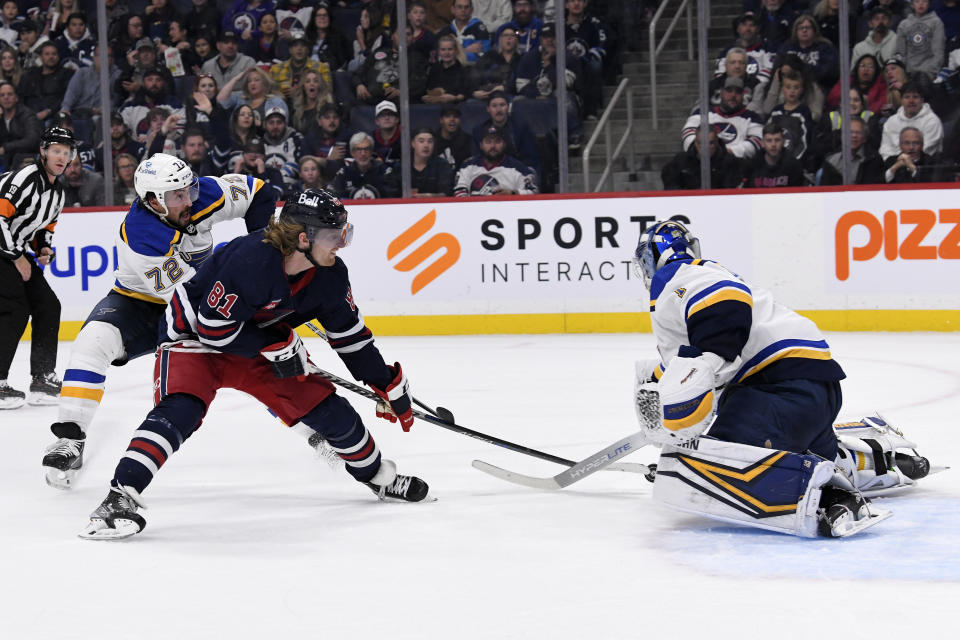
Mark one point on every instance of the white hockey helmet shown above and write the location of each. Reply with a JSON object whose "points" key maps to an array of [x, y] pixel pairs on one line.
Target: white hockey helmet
{"points": [[162, 173]]}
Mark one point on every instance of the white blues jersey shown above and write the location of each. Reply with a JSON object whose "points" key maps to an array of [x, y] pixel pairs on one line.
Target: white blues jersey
{"points": [[153, 256], [698, 306]]}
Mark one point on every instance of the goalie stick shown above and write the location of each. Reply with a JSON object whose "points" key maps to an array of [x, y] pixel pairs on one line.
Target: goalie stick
{"points": [[452, 426], [603, 459], [444, 414]]}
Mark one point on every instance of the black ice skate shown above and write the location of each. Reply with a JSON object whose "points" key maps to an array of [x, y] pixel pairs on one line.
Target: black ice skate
{"points": [[63, 459], [843, 513], [45, 389], [10, 398], [390, 485], [116, 517]]}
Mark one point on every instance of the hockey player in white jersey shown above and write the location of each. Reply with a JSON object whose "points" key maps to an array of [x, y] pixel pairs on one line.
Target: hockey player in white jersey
{"points": [[163, 239], [761, 378]]}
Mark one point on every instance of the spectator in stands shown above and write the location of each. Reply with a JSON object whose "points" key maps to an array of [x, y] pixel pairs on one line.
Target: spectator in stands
{"points": [[864, 75], [75, 44], [286, 75], [42, 88], [813, 94], [203, 19], [497, 68], [447, 79], [124, 189], [81, 187], [85, 150], [229, 62], [252, 162], [327, 141], [881, 42], [470, 32], [365, 177], [370, 37], [386, 137], [201, 106], [815, 50], [894, 76], [161, 124], [421, 38], [58, 12], [526, 25], [134, 65], [327, 42], [19, 128], [914, 112], [230, 139], [82, 98], [746, 28], [775, 167], [9, 19], [827, 14], [776, 19], [157, 16], [737, 127], [121, 142], [196, 152], [865, 163], [683, 170], [257, 91], [452, 143], [261, 45], [536, 74], [827, 137], [131, 33], [494, 172], [153, 93], [949, 13], [203, 48], [921, 40], [283, 145], [311, 177], [735, 66], [439, 14], [29, 46], [430, 175], [493, 13], [10, 69], [309, 96], [116, 11], [912, 163], [793, 118], [178, 37], [587, 41], [378, 78], [244, 15]]}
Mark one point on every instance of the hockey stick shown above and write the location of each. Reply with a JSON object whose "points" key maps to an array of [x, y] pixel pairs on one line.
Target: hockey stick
{"points": [[602, 459], [440, 412], [451, 426]]}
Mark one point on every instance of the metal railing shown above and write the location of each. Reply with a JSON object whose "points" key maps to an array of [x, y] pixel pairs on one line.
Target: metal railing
{"points": [[604, 124], [656, 48]]}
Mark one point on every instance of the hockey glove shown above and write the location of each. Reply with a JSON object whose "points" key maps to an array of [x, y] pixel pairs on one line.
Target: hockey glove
{"points": [[287, 359], [396, 403]]}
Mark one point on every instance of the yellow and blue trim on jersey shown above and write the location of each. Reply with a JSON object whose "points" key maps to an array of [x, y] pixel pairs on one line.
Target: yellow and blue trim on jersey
{"points": [[210, 200], [723, 291], [146, 234], [130, 293], [685, 414], [664, 275], [810, 350]]}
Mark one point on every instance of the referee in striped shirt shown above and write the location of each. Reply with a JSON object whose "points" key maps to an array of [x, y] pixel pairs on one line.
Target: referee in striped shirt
{"points": [[30, 202]]}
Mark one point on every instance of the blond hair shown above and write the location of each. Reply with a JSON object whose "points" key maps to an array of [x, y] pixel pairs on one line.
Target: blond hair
{"points": [[284, 236]]}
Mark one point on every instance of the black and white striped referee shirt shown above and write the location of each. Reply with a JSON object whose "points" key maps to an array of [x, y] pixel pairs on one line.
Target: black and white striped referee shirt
{"points": [[29, 207]]}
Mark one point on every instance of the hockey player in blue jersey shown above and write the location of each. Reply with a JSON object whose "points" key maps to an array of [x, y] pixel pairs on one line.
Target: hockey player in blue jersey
{"points": [[233, 326], [163, 239], [761, 378]]}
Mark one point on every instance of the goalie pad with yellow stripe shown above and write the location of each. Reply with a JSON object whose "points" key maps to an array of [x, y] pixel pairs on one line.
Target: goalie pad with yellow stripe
{"points": [[753, 486]]}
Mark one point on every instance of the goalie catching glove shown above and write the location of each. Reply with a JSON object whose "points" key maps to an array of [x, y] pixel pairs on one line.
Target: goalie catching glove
{"points": [[682, 405], [287, 359], [396, 402]]}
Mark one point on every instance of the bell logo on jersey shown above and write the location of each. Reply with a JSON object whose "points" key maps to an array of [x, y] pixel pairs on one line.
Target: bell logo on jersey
{"points": [[886, 235], [441, 241]]}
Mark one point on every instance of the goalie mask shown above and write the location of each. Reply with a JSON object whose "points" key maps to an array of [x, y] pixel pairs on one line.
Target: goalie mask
{"points": [[661, 244]]}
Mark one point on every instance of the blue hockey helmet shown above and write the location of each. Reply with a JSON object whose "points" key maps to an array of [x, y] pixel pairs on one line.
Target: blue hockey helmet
{"points": [[661, 243]]}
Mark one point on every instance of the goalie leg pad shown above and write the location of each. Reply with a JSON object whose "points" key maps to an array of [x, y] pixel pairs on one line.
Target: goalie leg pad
{"points": [[754, 486], [876, 458]]}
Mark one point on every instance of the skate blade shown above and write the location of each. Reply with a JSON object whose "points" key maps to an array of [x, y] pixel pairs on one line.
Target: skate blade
{"points": [[876, 517], [11, 403], [100, 530], [37, 399], [63, 480], [427, 498]]}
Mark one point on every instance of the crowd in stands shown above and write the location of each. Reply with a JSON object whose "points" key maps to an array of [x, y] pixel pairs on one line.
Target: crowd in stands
{"points": [[775, 111], [304, 93]]}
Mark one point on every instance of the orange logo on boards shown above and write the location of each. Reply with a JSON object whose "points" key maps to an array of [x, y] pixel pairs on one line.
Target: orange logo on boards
{"points": [[441, 241], [917, 223]]}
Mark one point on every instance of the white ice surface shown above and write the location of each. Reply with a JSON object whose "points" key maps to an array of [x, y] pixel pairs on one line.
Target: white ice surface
{"points": [[249, 536]]}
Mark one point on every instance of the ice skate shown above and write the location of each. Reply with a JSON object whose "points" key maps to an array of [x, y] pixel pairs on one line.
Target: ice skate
{"points": [[843, 513], [45, 389], [392, 486], [10, 398], [63, 459], [116, 517]]}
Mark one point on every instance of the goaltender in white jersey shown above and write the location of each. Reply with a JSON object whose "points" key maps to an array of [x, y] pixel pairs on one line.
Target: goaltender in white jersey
{"points": [[162, 241]]}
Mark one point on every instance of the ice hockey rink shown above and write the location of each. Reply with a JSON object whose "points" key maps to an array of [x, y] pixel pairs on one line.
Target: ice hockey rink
{"points": [[251, 536]]}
